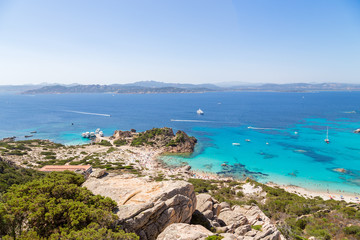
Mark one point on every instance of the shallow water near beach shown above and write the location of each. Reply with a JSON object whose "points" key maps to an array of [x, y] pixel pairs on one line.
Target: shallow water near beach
{"points": [[286, 130]]}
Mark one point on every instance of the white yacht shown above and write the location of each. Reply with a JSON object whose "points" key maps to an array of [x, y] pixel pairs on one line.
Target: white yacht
{"points": [[200, 112], [101, 134]]}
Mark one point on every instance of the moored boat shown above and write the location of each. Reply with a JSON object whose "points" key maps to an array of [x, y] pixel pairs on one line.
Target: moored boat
{"points": [[200, 112], [327, 140]]}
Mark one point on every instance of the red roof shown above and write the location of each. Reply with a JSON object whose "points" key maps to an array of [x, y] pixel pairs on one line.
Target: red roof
{"points": [[59, 168]]}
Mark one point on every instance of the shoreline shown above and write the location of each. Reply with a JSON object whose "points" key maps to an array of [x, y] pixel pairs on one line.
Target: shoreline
{"points": [[326, 195], [147, 159]]}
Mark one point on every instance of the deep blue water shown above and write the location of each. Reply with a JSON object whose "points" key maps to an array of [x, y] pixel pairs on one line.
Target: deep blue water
{"points": [[303, 159]]}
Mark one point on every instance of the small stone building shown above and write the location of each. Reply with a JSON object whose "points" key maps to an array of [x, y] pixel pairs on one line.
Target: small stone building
{"points": [[86, 170]]}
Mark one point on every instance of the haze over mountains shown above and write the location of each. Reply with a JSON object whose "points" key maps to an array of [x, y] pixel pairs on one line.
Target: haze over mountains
{"points": [[161, 87]]}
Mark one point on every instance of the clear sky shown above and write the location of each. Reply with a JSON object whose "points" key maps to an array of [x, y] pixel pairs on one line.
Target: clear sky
{"points": [[187, 41]]}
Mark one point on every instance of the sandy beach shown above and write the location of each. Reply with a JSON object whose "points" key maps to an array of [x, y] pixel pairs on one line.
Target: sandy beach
{"points": [[347, 197]]}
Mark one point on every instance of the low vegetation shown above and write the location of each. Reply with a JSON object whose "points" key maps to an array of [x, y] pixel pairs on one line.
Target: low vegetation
{"points": [[297, 217], [56, 207]]}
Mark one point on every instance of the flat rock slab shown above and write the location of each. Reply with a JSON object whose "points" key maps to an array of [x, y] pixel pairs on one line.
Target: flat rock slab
{"points": [[146, 208]]}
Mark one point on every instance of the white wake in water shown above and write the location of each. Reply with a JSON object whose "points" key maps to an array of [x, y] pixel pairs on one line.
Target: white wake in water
{"points": [[257, 128], [180, 120], [89, 113]]}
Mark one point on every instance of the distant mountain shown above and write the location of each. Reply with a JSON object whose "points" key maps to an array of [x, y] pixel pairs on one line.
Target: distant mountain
{"points": [[161, 87], [18, 88], [155, 84], [300, 87], [140, 87]]}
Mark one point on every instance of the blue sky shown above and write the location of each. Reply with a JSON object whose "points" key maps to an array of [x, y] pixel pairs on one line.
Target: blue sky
{"points": [[187, 41]]}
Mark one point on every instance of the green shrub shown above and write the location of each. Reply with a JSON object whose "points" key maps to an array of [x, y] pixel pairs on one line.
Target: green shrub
{"points": [[110, 150], [352, 230], [56, 207], [120, 142], [105, 143], [256, 227], [214, 237]]}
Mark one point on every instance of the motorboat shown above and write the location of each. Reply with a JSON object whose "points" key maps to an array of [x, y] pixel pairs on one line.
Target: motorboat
{"points": [[247, 140], [236, 144], [101, 134], [200, 112], [327, 140]]}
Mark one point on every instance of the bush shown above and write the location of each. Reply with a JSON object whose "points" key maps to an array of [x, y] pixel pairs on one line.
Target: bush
{"points": [[201, 186], [56, 207], [120, 142], [352, 230], [105, 143], [214, 237], [256, 227]]}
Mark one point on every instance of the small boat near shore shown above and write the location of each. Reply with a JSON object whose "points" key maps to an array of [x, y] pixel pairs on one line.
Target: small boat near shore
{"points": [[28, 136], [247, 140], [33, 132], [236, 144]]}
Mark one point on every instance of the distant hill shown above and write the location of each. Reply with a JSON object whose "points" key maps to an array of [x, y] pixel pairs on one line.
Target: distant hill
{"points": [[161, 87], [300, 87], [139, 87]]}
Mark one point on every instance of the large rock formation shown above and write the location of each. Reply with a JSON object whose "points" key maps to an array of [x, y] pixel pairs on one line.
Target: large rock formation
{"points": [[146, 208], [183, 231], [159, 138], [236, 220]]}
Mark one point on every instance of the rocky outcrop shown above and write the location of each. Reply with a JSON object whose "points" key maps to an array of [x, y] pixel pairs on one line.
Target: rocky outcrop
{"points": [[98, 173], [182, 231], [146, 208], [236, 220], [163, 138], [122, 135], [181, 143]]}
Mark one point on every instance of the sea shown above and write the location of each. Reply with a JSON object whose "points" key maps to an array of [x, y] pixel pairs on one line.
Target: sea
{"points": [[268, 136]]}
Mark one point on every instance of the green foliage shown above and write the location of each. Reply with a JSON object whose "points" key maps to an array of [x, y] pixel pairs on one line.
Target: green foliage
{"points": [[105, 143], [256, 227], [146, 137], [55, 206], [214, 237], [201, 186], [352, 230], [110, 150], [94, 232], [120, 142], [10, 175]]}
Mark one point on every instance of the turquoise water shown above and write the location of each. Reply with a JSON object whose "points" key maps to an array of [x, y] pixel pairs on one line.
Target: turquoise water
{"points": [[303, 159], [296, 155]]}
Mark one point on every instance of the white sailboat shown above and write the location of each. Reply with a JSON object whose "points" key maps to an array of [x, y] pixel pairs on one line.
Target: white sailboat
{"points": [[327, 140]]}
